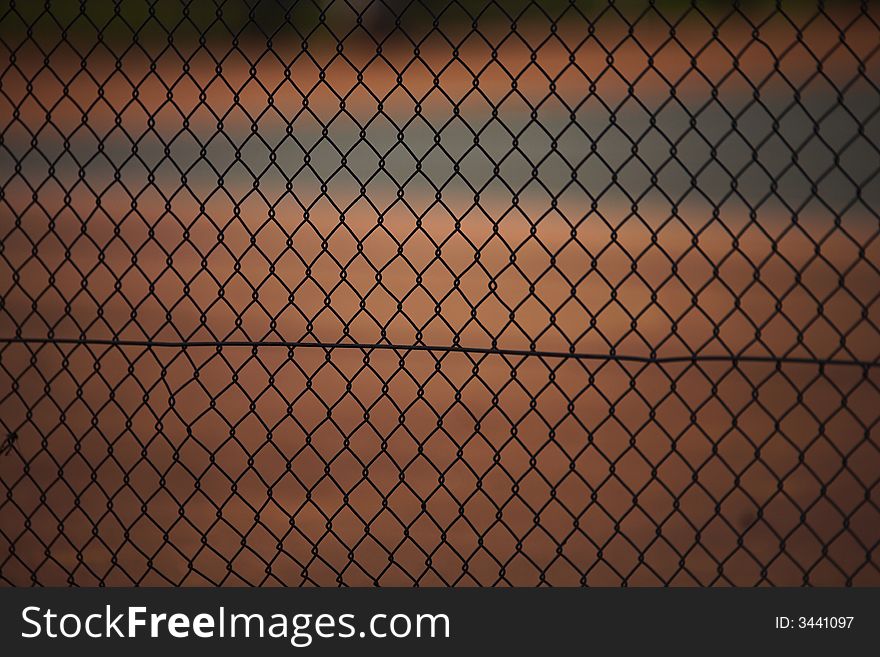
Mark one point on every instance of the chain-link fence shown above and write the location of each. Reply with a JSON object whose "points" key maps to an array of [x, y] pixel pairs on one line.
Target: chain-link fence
{"points": [[439, 293]]}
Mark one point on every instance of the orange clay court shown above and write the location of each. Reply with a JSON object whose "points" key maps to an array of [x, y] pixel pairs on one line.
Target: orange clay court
{"points": [[268, 199]]}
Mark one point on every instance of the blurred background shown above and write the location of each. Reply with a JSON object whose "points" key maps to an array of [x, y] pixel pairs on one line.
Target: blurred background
{"points": [[216, 186]]}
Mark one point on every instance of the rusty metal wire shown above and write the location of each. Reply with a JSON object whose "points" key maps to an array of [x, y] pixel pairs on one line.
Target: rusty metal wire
{"points": [[376, 292]]}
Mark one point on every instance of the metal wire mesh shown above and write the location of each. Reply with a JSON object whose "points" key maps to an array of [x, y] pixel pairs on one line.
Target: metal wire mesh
{"points": [[439, 293]]}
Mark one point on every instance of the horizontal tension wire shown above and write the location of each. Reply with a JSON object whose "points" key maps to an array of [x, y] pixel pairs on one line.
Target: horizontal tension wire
{"points": [[540, 353]]}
